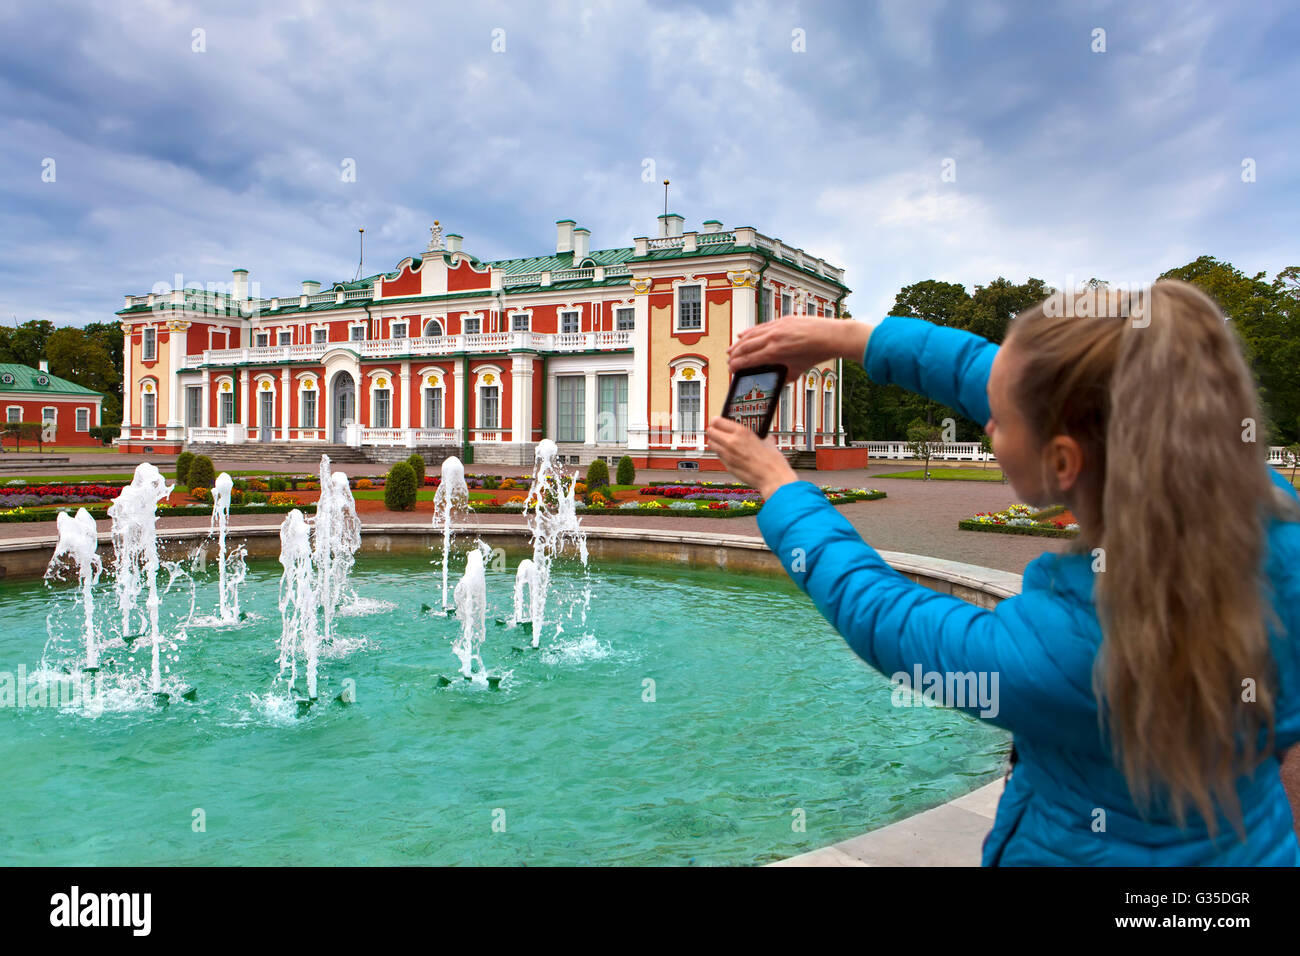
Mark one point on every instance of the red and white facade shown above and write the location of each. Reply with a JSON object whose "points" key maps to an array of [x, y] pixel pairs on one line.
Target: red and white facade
{"points": [[618, 351]]}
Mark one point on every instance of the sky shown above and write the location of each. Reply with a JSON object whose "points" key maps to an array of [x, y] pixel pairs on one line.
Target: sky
{"points": [[901, 141]]}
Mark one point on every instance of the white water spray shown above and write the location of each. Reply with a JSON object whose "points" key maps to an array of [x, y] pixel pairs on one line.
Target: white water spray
{"points": [[78, 542], [298, 599], [471, 605], [134, 513], [230, 568], [452, 496], [553, 521]]}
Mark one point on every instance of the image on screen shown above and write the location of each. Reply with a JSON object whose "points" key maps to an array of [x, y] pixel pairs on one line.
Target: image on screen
{"points": [[753, 394]]}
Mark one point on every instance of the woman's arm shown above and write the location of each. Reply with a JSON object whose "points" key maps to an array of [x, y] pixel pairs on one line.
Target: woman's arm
{"points": [[998, 659], [950, 366]]}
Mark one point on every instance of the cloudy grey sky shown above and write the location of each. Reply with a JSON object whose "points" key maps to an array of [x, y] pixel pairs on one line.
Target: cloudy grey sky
{"points": [[1068, 162]]}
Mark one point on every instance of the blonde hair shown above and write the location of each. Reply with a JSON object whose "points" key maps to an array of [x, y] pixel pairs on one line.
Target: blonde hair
{"points": [[1154, 387]]}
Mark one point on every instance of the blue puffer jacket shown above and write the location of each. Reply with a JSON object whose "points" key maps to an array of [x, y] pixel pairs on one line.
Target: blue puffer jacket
{"points": [[1041, 644]]}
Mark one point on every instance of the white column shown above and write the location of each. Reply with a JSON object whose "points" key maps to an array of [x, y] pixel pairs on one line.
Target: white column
{"points": [[206, 417], [175, 361], [743, 301], [521, 400], [550, 427], [405, 404], [638, 385], [246, 416], [284, 404], [589, 408], [128, 379], [458, 370], [800, 392]]}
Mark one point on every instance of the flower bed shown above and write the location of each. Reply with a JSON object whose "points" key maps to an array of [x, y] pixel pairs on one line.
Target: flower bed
{"points": [[688, 508], [55, 494], [1022, 519]]}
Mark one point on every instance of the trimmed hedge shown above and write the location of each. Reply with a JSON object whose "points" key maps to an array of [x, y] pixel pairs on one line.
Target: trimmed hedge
{"points": [[399, 488], [672, 512], [183, 462], [597, 475], [201, 473], [626, 474], [416, 462]]}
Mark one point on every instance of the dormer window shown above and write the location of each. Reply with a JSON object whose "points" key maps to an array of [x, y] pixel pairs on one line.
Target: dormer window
{"points": [[42, 380], [7, 378]]}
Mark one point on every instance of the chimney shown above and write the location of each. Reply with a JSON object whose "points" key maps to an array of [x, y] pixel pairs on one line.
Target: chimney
{"points": [[453, 241], [564, 235], [670, 225], [712, 225], [581, 244], [310, 286], [45, 366], [240, 291]]}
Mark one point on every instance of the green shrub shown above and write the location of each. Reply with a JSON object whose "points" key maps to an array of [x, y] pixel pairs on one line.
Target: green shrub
{"points": [[240, 484], [399, 489], [417, 465], [491, 482], [626, 471], [597, 474], [254, 498], [183, 462], [201, 473], [279, 484]]}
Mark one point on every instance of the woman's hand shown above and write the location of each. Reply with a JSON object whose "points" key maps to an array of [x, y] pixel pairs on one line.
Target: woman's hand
{"points": [[750, 459], [798, 342]]}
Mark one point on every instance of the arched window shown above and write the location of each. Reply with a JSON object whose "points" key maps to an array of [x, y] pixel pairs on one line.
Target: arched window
{"points": [[433, 327]]}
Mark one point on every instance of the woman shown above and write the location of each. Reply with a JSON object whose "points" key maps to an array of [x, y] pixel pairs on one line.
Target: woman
{"points": [[1150, 676]]}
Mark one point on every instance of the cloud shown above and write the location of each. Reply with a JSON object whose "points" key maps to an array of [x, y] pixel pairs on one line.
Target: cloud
{"points": [[1119, 164]]}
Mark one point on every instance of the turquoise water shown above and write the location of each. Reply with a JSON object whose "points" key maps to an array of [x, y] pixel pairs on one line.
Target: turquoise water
{"points": [[761, 716]]}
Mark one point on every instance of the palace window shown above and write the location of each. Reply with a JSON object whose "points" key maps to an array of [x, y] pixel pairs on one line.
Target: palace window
{"points": [[83, 419], [398, 330], [472, 324], [688, 406], [320, 336], [226, 408], [519, 323], [611, 410], [491, 407], [433, 408], [828, 411], [624, 320], [262, 339], [570, 408], [433, 327], [569, 321], [14, 413], [149, 346], [787, 304], [149, 410], [194, 405], [383, 408], [357, 333], [309, 408], [286, 337], [688, 307]]}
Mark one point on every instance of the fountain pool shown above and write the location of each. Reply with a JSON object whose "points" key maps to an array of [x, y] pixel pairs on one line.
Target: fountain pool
{"points": [[693, 717]]}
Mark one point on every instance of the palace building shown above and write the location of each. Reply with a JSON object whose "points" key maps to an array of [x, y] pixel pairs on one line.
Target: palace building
{"points": [[607, 352]]}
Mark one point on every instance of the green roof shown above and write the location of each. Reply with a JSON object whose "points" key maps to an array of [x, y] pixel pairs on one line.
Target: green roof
{"points": [[23, 378], [562, 260]]}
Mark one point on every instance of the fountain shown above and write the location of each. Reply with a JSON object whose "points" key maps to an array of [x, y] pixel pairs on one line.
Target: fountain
{"points": [[134, 513], [553, 521], [77, 543], [230, 568], [298, 600], [452, 496], [525, 577], [337, 538]]}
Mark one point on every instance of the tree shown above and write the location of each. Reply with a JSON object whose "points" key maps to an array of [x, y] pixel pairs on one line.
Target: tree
{"points": [[82, 359], [925, 442]]}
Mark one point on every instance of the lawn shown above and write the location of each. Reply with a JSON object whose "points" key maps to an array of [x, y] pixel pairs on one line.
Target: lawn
{"points": [[945, 473]]}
